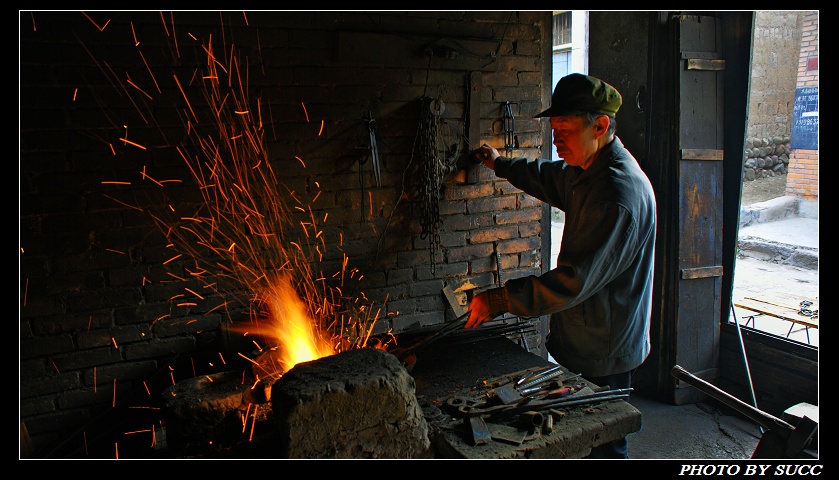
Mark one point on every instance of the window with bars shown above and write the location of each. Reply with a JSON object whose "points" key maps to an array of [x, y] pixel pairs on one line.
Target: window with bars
{"points": [[561, 29]]}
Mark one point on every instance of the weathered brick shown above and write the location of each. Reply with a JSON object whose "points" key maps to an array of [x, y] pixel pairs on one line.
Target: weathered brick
{"points": [[493, 234], [469, 252], [46, 345], [121, 372], [86, 358], [49, 384], [159, 348]]}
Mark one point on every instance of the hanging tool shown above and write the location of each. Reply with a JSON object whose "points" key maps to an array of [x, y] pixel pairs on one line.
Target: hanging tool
{"points": [[510, 140], [374, 150], [430, 177], [498, 264]]}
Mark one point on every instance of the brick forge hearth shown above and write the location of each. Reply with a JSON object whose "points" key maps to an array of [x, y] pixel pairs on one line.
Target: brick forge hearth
{"points": [[358, 404]]}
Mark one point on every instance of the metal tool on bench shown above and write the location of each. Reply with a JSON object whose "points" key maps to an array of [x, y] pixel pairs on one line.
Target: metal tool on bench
{"points": [[780, 440], [514, 393], [586, 396]]}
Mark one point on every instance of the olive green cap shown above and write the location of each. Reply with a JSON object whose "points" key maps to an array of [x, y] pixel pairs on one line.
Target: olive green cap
{"points": [[576, 93]]}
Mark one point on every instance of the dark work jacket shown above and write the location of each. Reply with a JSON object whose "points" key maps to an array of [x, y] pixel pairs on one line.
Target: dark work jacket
{"points": [[599, 294]]}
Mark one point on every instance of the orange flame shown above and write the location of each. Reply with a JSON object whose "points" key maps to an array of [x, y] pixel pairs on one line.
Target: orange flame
{"points": [[298, 335]]}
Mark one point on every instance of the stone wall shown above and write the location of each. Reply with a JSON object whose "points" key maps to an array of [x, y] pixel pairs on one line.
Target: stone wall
{"points": [[775, 48], [765, 157]]}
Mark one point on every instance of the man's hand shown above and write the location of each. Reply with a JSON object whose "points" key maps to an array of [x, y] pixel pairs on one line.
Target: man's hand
{"points": [[487, 155], [478, 310]]}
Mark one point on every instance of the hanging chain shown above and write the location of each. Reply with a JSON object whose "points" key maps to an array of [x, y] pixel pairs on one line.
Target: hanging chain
{"points": [[432, 170]]}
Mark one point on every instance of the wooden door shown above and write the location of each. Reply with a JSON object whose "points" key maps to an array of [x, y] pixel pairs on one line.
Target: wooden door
{"points": [[700, 199]]}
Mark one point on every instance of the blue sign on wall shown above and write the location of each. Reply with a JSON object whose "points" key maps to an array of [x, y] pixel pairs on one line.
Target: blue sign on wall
{"points": [[805, 121]]}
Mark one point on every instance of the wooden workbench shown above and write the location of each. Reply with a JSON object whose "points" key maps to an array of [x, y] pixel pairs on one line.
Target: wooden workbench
{"points": [[783, 306], [452, 368]]}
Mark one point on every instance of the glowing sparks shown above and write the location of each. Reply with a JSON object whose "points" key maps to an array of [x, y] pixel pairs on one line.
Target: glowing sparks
{"points": [[102, 28], [253, 422], [120, 202], [148, 69], [173, 258], [248, 234], [178, 82], [194, 293], [128, 142], [246, 358], [306, 112], [138, 88], [134, 34]]}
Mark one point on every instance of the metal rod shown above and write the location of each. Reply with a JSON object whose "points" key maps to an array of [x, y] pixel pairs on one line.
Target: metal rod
{"points": [[535, 373], [459, 321], [745, 360], [542, 377], [771, 422]]}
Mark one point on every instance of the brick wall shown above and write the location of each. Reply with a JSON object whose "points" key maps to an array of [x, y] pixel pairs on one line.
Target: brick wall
{"points": [[138, 253], [803, 176]]}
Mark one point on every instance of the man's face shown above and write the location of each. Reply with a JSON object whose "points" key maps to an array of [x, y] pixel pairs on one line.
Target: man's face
{"points": [[575, 141]]}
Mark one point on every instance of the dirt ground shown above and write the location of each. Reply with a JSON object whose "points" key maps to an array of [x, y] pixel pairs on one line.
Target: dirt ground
{"points": [[763, 189]]}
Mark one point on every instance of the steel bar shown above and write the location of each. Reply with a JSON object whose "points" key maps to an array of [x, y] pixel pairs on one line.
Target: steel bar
{"points": [[542, 377], [549, 405]]}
